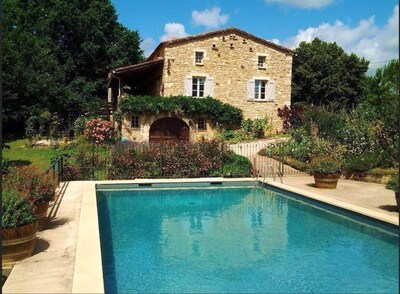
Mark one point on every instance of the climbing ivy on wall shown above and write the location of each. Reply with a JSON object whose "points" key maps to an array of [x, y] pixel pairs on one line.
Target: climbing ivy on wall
{"points": [[221, 113]]}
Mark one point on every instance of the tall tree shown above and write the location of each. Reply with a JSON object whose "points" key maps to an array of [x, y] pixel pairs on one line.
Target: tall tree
{"points": [[323, 74], [57, 54], [383, 95]]}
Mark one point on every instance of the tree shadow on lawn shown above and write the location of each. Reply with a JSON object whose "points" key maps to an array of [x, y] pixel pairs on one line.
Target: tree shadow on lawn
{"points": [[19, 162]]}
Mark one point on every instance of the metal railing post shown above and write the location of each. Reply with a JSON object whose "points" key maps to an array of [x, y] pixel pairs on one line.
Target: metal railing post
{"points": [[61, 170], [222, 159], [92, 163]]}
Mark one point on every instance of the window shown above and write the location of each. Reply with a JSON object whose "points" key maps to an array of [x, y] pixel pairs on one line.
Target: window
{"points": [[261, 89], [261, 61], [199, 57], [201, 124], [135, 122], [198, 86]]}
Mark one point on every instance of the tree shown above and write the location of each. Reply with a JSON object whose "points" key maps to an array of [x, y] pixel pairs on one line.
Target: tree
{"points": [[57, 54], [323, 74], [383, 95]]}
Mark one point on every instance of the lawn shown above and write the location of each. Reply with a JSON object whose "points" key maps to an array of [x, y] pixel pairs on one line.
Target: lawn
{"points": [[19, 154]]}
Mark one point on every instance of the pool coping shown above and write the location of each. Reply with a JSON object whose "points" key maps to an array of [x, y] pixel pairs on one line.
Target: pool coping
{"points": [[88, 274], [393, 220]]}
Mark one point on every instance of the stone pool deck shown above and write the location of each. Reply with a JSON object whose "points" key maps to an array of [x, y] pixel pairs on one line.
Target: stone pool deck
{"points": [[51, 268]]}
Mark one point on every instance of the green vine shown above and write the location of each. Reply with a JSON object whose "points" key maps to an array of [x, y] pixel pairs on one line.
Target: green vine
{"points": [[221, 113]]}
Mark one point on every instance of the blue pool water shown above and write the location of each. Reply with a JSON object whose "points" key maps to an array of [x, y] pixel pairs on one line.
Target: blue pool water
{"points": [[238, 240]]}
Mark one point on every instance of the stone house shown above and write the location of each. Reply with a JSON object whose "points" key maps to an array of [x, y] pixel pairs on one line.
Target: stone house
{"points": [[231, 65]]}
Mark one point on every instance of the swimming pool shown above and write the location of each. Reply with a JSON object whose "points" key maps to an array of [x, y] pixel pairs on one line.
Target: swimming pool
{"points": [[240, 239]]}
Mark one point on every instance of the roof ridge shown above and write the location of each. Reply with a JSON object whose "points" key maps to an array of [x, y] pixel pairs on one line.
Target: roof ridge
{"points": [[210, 33]]}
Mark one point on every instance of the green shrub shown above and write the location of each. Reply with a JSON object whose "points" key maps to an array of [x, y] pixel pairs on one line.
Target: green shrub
{"points": [[330, 124], [325, 165], [236, 166], [249, 130], [383, 171], [393, 183], [301, 146], [16, 211], [30, 130], [79, 125], [254, 129], [362, 162], [227, 135], [5, 164]]}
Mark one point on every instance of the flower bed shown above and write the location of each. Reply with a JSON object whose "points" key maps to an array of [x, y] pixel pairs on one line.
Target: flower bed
{"points": [[175, 160]]}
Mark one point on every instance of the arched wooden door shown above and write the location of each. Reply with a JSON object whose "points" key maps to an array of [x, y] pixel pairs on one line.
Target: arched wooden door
{"points": [[169, 129]]}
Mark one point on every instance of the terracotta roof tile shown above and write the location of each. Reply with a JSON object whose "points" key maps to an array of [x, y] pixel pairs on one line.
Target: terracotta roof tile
{"points": [[138, 65]]}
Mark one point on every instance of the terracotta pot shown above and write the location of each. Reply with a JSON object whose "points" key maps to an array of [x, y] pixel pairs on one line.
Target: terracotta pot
{"points": [[40, 212], [326, 181], [18, 243]]}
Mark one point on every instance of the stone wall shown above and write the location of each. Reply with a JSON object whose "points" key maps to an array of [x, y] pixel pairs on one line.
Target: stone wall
{"points": [[142, 133], [231, 63]]}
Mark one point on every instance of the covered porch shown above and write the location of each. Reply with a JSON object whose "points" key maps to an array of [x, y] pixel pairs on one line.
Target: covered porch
{"points": [[142, 79]]}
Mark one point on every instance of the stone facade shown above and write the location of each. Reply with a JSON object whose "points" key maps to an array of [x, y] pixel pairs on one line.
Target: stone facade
{"points": [[141, 134], [230, 67]]}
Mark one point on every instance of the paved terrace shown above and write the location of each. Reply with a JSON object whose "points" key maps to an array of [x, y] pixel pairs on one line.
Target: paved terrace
{"points": [[51, 268]]}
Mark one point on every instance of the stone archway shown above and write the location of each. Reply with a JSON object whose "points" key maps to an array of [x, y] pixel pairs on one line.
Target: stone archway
{"points": [[168, 129]]}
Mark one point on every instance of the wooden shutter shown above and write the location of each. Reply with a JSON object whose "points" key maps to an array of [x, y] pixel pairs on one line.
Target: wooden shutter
{"points": [[188, 86], [209, 87], [270, 91], [250, 89]]}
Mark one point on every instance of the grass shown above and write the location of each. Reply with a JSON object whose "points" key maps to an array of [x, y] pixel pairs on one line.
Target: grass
{"points": [[20, 154]]}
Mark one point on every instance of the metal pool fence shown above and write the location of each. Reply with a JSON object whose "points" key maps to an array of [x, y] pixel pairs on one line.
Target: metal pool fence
{"points": [[269, 160]]}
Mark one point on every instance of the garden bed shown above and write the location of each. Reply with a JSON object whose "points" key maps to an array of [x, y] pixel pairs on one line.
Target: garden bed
{"points": [[376, 175]]}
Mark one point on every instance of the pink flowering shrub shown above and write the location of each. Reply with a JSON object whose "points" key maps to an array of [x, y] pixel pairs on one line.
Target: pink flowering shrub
{"points": [[31, 183], [166, 159], [99, 131]]}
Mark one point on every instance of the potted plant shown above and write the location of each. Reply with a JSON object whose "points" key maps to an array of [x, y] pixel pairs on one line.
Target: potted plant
{"points": [[19, 227], [326, 171], [36, 187], [393, 184]]}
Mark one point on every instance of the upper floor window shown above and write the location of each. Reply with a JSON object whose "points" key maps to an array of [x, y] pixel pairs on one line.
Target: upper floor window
{"points": [[261, 61], [198, 86], [261, 89], [199, 56]]}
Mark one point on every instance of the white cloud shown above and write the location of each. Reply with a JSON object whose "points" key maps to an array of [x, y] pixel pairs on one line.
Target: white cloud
{"points": [[173, 30], [306, 4], [276, 41], [148, 45], [367, 40], [209, 18]]}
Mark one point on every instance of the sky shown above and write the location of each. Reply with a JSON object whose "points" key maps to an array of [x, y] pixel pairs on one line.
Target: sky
{"points": [[368, 28]]}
